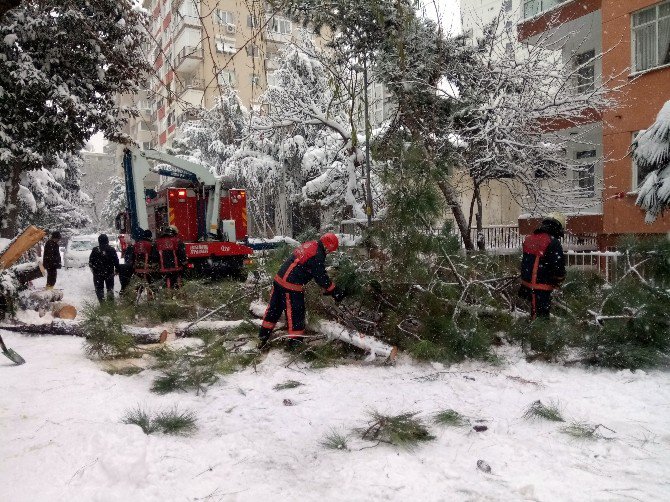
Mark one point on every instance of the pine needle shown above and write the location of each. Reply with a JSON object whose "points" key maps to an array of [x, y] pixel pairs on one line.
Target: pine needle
{"points": [[539, 410], [404, 430], [173, 421], [583, 430], [288, 384], [334, 441], [141, 418], [450, 418]]}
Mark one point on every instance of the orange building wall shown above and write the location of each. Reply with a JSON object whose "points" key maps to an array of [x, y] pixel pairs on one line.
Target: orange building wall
{"points": [[640, 101]]}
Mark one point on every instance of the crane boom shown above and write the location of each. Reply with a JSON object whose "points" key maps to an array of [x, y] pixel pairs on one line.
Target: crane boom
{"points": [[136, 167]]}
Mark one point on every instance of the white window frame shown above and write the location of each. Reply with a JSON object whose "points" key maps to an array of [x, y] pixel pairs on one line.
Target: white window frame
{"points": [[225, 17], [281, 26], [633, 35], [582, 67], [587, 159], [227, 76]]}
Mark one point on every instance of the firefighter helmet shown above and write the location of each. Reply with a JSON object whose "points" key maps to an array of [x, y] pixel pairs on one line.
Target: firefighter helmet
{"points": [[330, 242], [557, 217], [174, 230]]}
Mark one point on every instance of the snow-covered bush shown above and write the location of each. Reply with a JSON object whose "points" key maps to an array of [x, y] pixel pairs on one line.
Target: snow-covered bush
{"points": [[115, 202], [651, 151]]}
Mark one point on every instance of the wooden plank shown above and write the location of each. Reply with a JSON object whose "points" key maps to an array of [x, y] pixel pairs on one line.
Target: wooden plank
{"points": [[22, 243]]}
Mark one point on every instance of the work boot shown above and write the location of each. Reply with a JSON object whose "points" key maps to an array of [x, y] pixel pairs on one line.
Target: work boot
{"points": [[264, 339], [294, 344]]}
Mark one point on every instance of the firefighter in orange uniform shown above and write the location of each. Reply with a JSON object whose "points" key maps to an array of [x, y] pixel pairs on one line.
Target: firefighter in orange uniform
{"points": [[171, 256], [145, 257], [307, 262], [543, 264]]}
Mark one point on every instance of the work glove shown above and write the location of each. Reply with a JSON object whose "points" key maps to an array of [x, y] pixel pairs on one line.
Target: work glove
{"points": [[338, 294]]}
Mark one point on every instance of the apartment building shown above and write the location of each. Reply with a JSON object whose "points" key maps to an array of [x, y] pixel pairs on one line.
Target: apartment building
{"points": [[633, 37], [200, 45], [477, 15]]}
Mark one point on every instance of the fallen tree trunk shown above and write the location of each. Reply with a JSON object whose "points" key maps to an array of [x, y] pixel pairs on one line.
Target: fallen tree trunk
{"points": [[374, 348], [335, 331], [27, 272], [42, 299], [75, 328]]}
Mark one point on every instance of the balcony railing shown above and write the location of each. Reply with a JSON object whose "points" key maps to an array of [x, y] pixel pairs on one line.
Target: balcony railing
{"points": [[532, 8], [188, 115], [196, 84], [188, 52]]}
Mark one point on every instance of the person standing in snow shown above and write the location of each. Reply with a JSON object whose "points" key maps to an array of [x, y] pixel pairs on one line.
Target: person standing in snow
{"points": [[307, 262], [543, 264], [51, 259], [104, 262]]}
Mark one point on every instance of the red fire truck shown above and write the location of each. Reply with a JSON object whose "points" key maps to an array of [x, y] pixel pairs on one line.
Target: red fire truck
{"points": [[211, 217]]}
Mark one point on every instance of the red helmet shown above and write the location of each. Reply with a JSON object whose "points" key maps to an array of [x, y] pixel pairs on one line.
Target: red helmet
{"points": [[330, 242]]}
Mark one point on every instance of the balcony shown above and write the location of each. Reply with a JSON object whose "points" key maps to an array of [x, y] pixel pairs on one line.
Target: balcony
{"points": [[196, 84], [540, 16], [188, 59], [188, 115]]}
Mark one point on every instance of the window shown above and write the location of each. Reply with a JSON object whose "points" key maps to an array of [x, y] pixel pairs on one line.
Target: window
{"points": [[227, 77], [651, 37], [639, 173], [225, 45], [255, 79], [146, 145], [586, 175], [170, 118], [586, 71], [224, 17], [281, 26], [533, 7], [507, 5], [252, 50], [272, 79], [188, 9], [253, 21], [144, 126]]}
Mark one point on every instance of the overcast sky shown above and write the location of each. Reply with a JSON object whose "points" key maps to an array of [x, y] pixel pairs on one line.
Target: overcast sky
{"points": [[447, 11]]}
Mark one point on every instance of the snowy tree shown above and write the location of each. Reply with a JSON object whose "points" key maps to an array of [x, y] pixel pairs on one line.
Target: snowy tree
{"points": [[64, 62], [311, 120], [487, 114], [651, 152], [51, 196], [115, 202]]}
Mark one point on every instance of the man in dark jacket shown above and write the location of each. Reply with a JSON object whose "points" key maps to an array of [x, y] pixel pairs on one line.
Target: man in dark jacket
{"points": [[307, 262], [543, 264], [51, 259], [104, 262]]}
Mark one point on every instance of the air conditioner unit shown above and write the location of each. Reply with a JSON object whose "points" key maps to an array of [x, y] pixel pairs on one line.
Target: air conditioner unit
{"points": [[230, 29]]}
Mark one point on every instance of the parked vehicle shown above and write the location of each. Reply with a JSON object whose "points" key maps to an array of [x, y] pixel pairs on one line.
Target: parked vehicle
{"points": [[78, 250]]}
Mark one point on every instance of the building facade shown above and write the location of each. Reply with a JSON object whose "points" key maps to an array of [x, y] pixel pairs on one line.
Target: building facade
{"points": [[199, 46], [634, 40]]}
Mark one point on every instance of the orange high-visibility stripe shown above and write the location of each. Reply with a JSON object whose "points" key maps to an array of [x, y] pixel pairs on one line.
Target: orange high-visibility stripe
{"points": [[289, 313], [331, 287], [288, 285], [268, 325], [540, 287], [296, 334]]}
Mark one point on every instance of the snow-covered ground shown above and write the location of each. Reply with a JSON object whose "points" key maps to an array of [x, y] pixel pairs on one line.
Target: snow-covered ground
{"points": [[63, 440]]}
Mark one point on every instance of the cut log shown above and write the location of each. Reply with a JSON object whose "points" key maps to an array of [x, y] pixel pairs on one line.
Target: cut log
{"points": [[374, 348], [63, 310], [74, 328], [41, 299], [21, 243], [27, 272], [335, 331]]}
